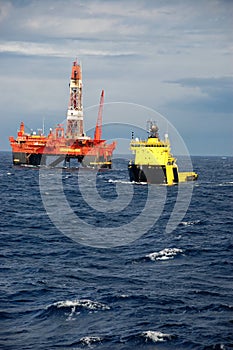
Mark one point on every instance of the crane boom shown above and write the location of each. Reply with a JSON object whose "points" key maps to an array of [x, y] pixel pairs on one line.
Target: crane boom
{"points": [[98, 128]]}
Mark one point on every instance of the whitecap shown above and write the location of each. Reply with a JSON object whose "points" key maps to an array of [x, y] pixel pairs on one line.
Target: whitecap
{"points": [[227, 183], [156, 336], [90, 340], [120, 181], [83, 303], [124, 295], [190, 223], [165, 254]]}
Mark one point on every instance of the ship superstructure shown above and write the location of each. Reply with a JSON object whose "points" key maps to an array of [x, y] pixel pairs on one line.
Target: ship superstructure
{"points": [[62, 145], [154, 162]]}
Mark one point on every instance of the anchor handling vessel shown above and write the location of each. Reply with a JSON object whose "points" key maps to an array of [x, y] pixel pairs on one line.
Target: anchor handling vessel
{"points": [[154, 162], [60, 145]]}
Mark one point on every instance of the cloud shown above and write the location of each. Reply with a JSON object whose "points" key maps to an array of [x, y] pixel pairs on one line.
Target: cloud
{"points": [[174, 56], [215, 94], [48, 49], [5, 9], [176, 22], [68, 20]]}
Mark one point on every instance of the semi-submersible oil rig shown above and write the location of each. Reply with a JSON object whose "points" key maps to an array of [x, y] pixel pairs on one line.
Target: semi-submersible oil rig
{"points": [[60, 145]]}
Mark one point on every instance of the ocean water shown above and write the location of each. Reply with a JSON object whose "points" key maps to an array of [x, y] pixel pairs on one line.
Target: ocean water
{"points": [[163, 290]]}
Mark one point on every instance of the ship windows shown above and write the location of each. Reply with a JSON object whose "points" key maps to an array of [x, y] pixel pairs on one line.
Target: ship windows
{"points": [[142, 146], [155, 146]]}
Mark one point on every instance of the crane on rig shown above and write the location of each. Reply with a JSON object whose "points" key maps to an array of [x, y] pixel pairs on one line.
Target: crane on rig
{"points": [[98, 128]]}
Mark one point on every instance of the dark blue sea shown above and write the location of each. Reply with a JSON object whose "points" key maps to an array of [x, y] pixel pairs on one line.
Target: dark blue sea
{"points": [[152, 289]]}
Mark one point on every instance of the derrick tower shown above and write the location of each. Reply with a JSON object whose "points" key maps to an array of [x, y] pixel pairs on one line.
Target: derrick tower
{"points": [[74, 128]]}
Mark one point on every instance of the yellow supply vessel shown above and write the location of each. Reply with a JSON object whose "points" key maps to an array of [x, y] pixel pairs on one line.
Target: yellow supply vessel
{"points": [[154, 162]]}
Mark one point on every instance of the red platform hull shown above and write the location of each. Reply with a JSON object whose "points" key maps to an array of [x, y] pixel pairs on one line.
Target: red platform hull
{"points": [[55, 149]]}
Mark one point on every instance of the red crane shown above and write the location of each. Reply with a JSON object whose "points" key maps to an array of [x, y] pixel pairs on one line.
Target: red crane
{"points": [[98, 128]]}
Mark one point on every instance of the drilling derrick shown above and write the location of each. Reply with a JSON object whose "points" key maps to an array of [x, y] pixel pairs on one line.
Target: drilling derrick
{"points": [[74, 127]]}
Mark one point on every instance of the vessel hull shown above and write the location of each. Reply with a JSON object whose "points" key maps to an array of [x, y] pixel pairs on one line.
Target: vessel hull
{"points": [[156, 174], [59, 160], [21, 158]]}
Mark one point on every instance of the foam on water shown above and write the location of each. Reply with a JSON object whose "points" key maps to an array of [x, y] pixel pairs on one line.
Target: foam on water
{"points": [[120, 182], [227, 183], [72, 314], [127, 182], [165, 254], [156, 336], [190, 223], [83, 303], [90, 340]]}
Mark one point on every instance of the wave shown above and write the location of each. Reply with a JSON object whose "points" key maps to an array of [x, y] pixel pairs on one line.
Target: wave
{"points": [[139, 339], [81, 304], [136, 340], [120, 181], [156, 336], [90, 340], [227, 183], [71, 308], [165, 254], [190, 223], [127, 182], [133, 341]]}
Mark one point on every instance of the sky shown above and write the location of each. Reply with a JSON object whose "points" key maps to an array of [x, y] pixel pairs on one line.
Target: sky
{"points": [[173, 57]]}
